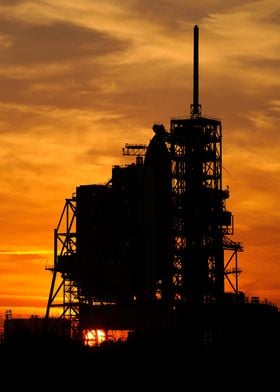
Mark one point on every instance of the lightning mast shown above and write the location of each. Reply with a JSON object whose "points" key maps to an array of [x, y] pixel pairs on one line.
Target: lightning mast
{"points": [[195, 107]]}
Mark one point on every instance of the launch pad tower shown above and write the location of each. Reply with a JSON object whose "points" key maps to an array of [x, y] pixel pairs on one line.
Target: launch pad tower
{"points": [[129, 252]]}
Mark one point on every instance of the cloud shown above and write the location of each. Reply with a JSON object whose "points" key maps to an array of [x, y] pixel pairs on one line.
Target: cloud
{"points": [[56, 64], [56, 42], [177, 16], [11, 3], [271, 15]]}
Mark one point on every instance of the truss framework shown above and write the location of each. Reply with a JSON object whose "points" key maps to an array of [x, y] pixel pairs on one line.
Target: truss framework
{"points": [[196, 154], [64, 293]]}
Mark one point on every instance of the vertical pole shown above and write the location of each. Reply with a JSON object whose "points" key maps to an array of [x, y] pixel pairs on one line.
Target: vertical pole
{"points": [[195, 106], [236, 276], [195, 70], [50, 300]]}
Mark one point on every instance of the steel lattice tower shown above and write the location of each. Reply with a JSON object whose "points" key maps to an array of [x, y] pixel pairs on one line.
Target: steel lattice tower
{"points": [[200, 221]]}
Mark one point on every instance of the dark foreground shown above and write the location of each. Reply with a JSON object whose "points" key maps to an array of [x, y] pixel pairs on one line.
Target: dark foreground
{"points": [[144, 363]]}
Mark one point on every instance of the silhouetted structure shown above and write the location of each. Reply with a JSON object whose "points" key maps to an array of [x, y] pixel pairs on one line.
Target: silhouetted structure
{"points": [[27, 330], [149, 251]]}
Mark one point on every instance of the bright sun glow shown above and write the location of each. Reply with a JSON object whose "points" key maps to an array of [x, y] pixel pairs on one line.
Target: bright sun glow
{"points": [[94, 337]]}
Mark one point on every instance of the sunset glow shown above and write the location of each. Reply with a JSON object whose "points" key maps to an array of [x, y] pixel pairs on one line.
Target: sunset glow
{"points": [[95, 337], [80, 79]]}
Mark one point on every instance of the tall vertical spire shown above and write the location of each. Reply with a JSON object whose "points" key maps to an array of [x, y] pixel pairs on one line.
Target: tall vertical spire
{"points": [[196, 107]]}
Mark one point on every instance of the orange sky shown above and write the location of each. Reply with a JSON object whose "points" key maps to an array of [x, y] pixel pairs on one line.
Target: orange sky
{"points": [[79, 79]]}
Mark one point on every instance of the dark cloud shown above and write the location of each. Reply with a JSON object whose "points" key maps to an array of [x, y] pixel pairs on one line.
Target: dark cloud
{"points": [[264, 64], [87, 85], [26, 46], [29, 44], [12, 89], [71, 88], [176, 15], [272, 17], [10, 3]]}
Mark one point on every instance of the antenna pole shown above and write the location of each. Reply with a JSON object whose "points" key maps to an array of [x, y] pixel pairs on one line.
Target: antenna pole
{"points": [[195, 107]]}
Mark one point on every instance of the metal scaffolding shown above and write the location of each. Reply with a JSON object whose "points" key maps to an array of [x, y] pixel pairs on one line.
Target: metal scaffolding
{"points": [[64, 298], [200, 221]]}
